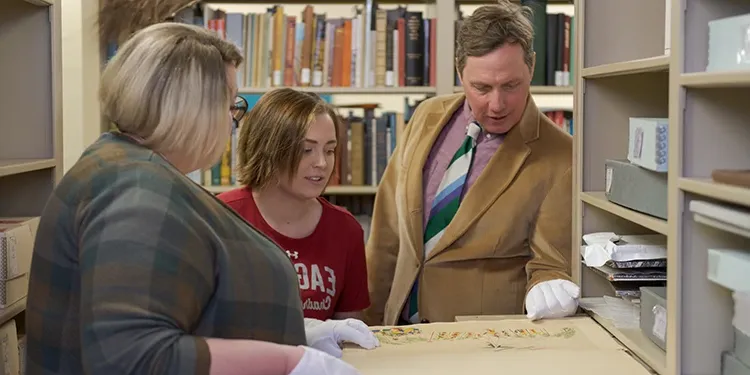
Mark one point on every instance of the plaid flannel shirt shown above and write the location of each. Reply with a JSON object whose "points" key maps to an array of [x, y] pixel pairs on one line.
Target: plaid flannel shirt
{"points": [[134, 264]]}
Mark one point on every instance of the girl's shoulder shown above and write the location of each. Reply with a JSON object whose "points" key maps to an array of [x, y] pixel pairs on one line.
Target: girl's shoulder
{"points": [[339, 217]]}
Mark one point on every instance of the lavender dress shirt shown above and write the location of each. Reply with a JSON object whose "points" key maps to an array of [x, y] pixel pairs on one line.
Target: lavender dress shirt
{"points": [[446, 144]]}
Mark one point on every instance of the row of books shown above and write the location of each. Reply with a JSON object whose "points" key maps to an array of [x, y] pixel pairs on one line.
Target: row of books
{"points": [[562, 118], [554, 48], [375, 47]]}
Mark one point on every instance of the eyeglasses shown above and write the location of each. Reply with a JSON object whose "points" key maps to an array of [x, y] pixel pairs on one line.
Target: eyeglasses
{"points": [[238, 109]]}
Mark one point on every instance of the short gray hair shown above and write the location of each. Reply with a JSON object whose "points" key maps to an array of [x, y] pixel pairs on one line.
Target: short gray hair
{"points": [[168, 85]]}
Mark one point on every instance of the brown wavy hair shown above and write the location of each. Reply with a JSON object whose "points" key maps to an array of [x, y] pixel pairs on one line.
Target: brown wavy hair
{"points": [[272, 135]]}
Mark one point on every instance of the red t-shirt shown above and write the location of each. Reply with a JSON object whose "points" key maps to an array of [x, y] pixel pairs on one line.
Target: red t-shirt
{"points": [[330, 262]]}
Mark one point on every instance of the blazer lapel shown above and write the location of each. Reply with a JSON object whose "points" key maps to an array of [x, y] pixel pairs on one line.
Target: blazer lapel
{"points": [[430, 129], [497, 175]]}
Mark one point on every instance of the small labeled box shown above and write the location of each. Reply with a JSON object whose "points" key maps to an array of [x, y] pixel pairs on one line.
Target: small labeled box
{"points": [[648, 145]]}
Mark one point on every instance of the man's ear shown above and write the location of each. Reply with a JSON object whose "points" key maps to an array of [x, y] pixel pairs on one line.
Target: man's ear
{"points": [[533, 62]]}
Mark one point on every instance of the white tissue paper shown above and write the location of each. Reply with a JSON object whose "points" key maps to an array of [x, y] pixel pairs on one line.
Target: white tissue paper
{"points": [[602, 247]]}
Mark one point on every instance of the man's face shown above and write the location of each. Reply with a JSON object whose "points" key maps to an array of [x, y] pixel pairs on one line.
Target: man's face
{"points": [[496, 86]]}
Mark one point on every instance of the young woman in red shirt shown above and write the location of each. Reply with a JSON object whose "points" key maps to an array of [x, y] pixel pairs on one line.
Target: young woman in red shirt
{"points": [[287, 151]]}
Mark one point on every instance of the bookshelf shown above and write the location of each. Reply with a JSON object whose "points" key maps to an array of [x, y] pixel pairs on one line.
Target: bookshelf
{"points": [[390, 96], [708, 130], [31, 123]]}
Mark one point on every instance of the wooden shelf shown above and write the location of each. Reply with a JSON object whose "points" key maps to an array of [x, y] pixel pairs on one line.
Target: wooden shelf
{"points": [[618, 79], [599, 200], [636, 342], [708, 116], [709, 132], [716, 79], [715, 190], [538, 90], [348, 90], [16, 166], [331, 190], [652, 64]]}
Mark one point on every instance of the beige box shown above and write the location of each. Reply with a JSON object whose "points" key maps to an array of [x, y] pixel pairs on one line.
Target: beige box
{"points": [[17, 236]]}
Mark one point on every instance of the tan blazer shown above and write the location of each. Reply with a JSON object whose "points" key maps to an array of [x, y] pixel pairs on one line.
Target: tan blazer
{"points": [[512, 230]]}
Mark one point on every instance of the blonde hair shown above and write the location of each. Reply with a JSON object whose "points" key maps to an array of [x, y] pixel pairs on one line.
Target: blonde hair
{"points": [[168, 85], [492, 26], [272, 136]]}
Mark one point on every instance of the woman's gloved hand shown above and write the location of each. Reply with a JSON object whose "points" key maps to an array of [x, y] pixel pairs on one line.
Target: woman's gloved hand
{"points": [[316, 362], [327, 335]]}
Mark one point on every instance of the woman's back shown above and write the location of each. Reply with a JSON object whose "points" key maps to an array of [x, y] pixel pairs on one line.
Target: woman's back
{"points": [[127, 246]]}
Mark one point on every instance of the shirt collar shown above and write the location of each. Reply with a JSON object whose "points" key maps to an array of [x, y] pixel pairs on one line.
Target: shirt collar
{"points": [[469, 118]]}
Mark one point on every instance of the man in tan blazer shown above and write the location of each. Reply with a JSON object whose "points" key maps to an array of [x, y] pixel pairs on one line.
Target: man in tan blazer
{"points": [[507, 246]]}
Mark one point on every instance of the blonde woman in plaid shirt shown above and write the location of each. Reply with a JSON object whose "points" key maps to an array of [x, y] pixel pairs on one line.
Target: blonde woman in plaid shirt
{"points": [[137, 269]]}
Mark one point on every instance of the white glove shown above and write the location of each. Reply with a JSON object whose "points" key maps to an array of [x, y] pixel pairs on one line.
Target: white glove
{"points": [[327, 335], [315, 362], [552, 299], [310, 323]]}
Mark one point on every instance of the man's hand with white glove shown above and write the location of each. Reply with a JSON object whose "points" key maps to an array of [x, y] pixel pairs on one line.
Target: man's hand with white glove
{"points": [[327, 336], [552, 299], [316, 362]]}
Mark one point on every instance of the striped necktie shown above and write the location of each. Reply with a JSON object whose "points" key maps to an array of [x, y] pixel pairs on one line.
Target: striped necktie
{"points": [[446, 202]]}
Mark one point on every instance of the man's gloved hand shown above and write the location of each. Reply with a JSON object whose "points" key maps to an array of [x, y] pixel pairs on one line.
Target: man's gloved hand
{"points": [[327, 335], [316, 362], [552, 299]]}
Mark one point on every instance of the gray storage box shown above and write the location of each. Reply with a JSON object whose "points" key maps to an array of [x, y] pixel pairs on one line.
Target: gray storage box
{"points": [[654, 314], [730, 365], [636, 188]]}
